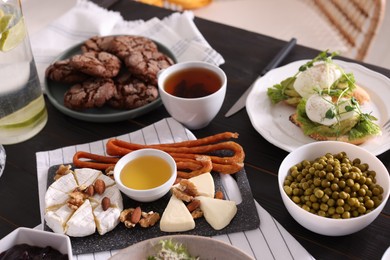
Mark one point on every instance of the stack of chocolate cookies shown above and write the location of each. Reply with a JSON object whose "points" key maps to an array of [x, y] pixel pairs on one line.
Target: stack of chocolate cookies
{"points": [[118, 71]]}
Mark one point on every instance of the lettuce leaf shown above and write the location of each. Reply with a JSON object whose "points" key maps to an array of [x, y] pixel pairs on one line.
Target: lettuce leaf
{"points": [[172, 250], [278, 93]]}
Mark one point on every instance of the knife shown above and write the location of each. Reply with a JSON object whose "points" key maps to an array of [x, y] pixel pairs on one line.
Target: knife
{"points": [[240, 103]]}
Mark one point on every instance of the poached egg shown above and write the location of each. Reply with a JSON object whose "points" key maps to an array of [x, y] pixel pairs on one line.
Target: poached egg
{"points": [[317, 106], [320, 76]]}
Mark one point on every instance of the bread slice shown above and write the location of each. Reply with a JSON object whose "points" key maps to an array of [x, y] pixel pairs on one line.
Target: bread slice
{"points": [[343, 138], [361, 95]]}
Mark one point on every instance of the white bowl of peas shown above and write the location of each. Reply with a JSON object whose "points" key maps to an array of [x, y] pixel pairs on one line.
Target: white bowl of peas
{"points": [[333, 188]]}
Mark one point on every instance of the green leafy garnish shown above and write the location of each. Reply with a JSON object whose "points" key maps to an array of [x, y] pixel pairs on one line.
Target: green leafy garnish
{"points": [[323, 56], [172, 250], [278, 92]]}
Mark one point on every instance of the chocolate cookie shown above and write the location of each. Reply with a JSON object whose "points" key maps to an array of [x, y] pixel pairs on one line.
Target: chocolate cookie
{"points": [[145, 64], [97, 64], [89, 94], [122, 46], [61, 71], [97, 44], [133, 94]]}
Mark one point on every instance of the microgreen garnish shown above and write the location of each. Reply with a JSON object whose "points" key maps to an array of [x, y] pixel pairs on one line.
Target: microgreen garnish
{"points": [[330, 114], [323, 56]]}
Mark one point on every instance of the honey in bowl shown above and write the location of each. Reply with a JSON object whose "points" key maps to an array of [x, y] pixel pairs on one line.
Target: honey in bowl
{"points": [[145, 172], [193, 83]]}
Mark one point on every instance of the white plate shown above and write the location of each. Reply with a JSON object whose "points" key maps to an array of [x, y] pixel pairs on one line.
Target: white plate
{"points": [[203, 247], [272, 122]]}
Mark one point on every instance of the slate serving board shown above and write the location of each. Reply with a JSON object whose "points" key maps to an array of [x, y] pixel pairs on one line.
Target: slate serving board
{"points": [[247, 218]]}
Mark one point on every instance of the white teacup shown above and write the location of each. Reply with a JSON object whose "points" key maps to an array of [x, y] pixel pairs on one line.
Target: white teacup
{"points": [[197, 100]]}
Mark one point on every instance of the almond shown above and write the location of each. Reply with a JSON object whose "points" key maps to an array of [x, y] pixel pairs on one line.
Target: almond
{"points": [[106, 203], [219, 195], [193, 205], [90, 190], [100, 186], [136, 215]]}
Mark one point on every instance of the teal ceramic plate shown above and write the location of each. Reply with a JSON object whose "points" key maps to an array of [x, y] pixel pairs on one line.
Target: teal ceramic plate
{"points": [[55, 92]]}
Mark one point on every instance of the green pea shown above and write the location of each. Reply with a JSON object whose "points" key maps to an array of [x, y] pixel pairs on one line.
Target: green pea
{"points": [[343, 195], [361, 209], [350, 182], [334, 186], [369, 204], [325, 183], [296, 199], [346, 214], [376, 191], [319, 193], [324, 207], [331, 202], [296, 191], [356, 186], [315, 206], [325, 198], [340, 202], [321, 213], [288, 190], [339, 210]]}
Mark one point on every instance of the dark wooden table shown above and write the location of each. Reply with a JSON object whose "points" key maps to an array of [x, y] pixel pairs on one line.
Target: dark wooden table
{"points": [[246, 54]]}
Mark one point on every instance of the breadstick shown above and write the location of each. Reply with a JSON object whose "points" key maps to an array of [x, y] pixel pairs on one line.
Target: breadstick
{"points": [[99, 162]]}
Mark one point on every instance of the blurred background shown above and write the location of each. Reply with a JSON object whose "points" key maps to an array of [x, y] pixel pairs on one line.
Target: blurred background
{"points": [[358, 29]]}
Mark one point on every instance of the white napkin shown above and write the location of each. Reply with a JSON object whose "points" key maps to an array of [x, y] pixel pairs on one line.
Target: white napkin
{"points": [[177, 32], [269, 241]]}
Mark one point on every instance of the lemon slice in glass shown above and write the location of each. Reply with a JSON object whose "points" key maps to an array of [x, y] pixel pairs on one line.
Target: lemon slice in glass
{"points": [[5, 20], [13, 36]]}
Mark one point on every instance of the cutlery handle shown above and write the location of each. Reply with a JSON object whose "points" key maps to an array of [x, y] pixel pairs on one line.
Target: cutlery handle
{"points": [[280, 56]]}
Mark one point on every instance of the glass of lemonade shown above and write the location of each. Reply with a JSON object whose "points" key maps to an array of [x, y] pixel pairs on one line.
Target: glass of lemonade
{"points": [[22, 106]]}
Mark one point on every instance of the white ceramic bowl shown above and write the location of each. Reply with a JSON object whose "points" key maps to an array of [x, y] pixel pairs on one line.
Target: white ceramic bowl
{"points": [[199, 246], [34, 237], [146, 195], [329, 226], [194, 113]]}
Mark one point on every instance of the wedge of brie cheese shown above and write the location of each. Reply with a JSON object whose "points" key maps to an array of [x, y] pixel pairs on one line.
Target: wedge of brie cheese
{"points": [[218, 213], [56, 219], [89, 216], [86, 176], [82, 222], [176, 217]]}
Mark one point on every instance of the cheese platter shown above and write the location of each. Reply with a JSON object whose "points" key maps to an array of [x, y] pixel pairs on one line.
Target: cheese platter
{"points": [[246, 218]]}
